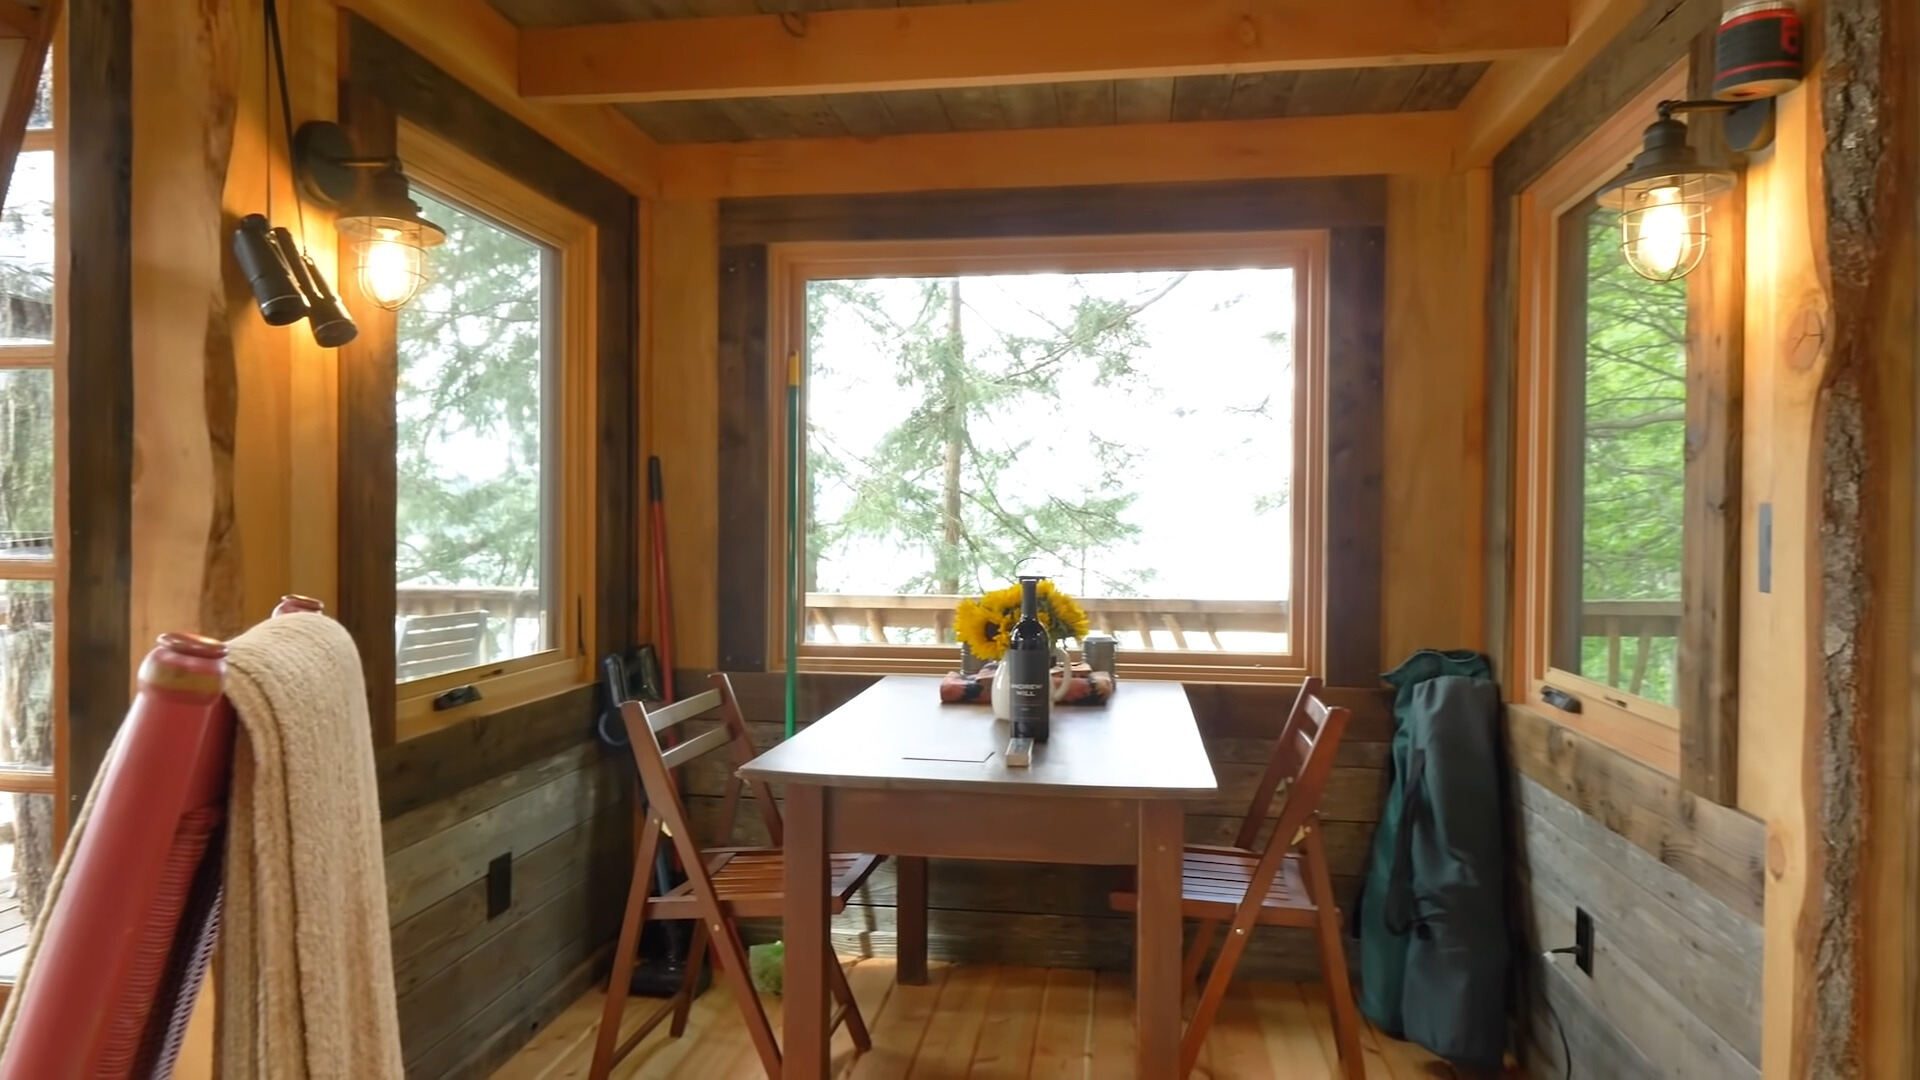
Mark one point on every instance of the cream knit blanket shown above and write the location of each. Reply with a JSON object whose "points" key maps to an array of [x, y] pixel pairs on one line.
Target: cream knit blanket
{"points": [[305, 965]]}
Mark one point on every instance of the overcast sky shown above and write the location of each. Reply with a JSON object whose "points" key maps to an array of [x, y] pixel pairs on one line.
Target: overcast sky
{"points": [[1207, 447]]}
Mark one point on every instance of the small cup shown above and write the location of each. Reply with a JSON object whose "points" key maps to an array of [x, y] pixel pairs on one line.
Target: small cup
{"points": [[1099, 651]]}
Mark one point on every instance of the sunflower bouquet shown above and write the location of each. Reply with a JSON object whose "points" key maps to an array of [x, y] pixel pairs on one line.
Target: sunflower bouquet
{"points": [[982, 623]]}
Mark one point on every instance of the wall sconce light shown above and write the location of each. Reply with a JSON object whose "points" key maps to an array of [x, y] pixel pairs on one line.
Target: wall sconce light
{"points": [[1664, 197], [383, 223]]}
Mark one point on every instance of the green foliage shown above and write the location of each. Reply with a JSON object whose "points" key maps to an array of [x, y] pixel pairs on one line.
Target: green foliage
{"points": [[471, 409], [1633, 442], [933, 483]]}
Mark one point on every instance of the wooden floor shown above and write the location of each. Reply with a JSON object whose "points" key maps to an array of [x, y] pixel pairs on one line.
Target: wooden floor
{"points": [[980, 1021]]}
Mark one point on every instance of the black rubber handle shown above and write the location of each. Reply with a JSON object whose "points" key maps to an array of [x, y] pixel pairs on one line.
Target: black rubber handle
{"points": [[653, 479]]}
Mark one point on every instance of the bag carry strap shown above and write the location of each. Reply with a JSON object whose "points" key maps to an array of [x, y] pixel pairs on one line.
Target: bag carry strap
{"points": [[1399, 910]]}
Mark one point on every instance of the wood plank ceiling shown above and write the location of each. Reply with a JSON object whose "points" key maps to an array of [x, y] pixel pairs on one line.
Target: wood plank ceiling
{"points": [[1332, 92]]}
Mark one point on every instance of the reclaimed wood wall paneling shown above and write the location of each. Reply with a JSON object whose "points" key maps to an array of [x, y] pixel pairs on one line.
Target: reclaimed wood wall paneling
{"points": [[1676, 971], [471, 988]]}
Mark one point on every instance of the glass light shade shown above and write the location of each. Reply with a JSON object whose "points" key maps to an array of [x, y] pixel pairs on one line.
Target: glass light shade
{"points": [[390, 256], [1663, 223], [1663, 199]]}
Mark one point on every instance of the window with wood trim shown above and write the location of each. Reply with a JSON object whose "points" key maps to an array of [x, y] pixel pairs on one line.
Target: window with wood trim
{"points": [[32, 525], [492, 444], [1138, 418], [1628, 480]]}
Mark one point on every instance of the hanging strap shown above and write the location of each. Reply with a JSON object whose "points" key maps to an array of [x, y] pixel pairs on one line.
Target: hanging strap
{"points": [[1399, 911]]}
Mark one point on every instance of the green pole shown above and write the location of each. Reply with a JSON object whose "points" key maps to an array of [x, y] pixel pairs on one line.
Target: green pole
{"points": [[796, 563]]}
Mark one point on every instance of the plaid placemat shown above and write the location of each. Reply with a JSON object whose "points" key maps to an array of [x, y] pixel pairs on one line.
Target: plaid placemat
{"points": [[1089, 687]]}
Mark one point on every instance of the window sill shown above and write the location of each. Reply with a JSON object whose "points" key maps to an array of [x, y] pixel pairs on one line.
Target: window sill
{"points": [[417, 717], [1658, 748]]}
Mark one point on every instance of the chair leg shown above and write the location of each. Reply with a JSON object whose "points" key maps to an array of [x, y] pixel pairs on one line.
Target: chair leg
{"points": [[856, 1024], [1333, 961], [730, 957], [614, 1009], [690, 978], [1211, 995], [1197, 953]]}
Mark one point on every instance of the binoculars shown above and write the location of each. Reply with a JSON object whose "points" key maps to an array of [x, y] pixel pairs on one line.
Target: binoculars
{"points": [[286, 283]]}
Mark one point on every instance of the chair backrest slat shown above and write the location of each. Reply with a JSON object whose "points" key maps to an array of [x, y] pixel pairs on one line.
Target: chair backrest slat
{"points": [[705, 743], [1288, 754], [1321, 729], [657, 763], [661, 719]]}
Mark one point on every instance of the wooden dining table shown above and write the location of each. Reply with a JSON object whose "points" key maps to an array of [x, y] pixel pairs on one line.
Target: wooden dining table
{"points": [[897, 772]]}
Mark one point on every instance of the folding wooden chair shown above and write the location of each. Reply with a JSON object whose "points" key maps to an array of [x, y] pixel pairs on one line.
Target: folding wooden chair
{"points": [[1245, 884], [723, 884]]}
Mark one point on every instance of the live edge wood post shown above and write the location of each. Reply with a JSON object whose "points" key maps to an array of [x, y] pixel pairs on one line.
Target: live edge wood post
{"points": [[1856, 1002]]}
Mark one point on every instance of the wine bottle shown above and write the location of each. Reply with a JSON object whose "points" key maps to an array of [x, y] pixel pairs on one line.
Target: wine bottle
{"points": [[1029, 667]]}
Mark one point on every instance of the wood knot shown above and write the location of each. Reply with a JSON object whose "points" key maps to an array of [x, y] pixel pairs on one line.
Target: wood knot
{"points": [[1806, 339], [1776, 855], [1246, 31]]}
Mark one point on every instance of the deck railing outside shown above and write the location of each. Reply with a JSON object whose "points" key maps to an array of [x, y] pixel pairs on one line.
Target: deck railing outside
{"points": [[1250, 625], [1643, 622], [1630, 627], [1199, 625]]}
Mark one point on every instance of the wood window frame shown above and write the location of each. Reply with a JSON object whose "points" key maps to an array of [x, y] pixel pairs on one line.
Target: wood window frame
{"points": [[1306, 251], [384, 84], [51, 356], [1694, 739], [436, 165]]}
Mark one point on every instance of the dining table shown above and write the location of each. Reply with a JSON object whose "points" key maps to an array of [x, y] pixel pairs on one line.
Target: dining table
{"points": [[895, 771]]}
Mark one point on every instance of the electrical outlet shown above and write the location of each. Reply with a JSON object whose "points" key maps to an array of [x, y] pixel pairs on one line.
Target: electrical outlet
{"points": [[1583, 940], [499, 885]]}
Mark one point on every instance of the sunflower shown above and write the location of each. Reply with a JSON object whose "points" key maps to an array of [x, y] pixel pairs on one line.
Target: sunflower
{"points": [[982, 624], [1062, 614], [980, 630]]}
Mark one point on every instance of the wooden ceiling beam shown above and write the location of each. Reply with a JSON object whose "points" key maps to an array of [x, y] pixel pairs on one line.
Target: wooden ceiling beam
{"points": [[1390, 143], [1016, 42], [1514, 91], [471, 41]]}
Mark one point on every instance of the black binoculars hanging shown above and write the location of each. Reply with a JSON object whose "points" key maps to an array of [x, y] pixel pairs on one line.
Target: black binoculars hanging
{"points": [[286, 283]]}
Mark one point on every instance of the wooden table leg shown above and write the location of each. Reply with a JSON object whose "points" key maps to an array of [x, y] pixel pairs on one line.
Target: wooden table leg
{"points": [[1156, 941], [910, 913], [804, 1054]]}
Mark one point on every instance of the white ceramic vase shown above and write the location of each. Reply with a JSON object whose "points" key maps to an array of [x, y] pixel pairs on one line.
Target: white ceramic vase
{"points": [[1003, 684]]}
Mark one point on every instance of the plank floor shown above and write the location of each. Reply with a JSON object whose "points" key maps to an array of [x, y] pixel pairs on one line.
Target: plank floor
{"points": [[983, 1021]]}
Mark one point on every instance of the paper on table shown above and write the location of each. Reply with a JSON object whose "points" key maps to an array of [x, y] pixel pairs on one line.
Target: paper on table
{"points": [[966, 755]]}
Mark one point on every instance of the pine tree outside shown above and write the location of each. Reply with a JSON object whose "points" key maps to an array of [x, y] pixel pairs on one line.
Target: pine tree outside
{"points": [[1131, 434], [474, 405], [1626, 441]]}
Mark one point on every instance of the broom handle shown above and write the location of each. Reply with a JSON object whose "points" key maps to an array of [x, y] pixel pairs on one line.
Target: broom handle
{"points": [[663, 606], [796, 576]]}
